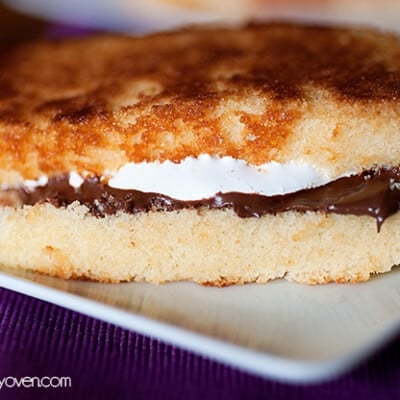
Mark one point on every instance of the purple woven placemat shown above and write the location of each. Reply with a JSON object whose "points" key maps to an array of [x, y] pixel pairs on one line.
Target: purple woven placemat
{"points": [[38, 339]]}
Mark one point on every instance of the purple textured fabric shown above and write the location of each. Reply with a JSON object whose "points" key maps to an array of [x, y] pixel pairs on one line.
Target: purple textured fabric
{"points": [[108, 362]]}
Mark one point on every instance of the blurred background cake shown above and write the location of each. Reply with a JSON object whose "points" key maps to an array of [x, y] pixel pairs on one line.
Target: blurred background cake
{"points": [[148, 15]]}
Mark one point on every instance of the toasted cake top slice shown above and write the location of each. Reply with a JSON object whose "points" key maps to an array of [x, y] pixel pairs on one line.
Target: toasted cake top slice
{"points": [[321, 95]]}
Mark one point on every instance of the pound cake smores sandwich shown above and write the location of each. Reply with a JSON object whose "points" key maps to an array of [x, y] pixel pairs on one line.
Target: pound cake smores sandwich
{"points": [[216, 155]]}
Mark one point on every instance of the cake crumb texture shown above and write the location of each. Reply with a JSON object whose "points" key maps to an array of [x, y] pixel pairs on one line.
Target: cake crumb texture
{"points": [[212, 247]]}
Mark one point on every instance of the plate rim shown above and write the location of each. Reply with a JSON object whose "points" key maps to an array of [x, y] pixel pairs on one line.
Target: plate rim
{"points": [[283, 369]]}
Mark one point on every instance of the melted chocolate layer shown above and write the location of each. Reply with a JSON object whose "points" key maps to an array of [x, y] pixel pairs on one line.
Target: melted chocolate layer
{"points": [[375, 193]]}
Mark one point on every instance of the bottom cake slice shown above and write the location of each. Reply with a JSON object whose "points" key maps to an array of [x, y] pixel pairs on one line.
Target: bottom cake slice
{"points": [[211, 247], [342, 231]]}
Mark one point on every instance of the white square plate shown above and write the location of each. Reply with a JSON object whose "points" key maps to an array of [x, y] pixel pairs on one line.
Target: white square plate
{"points": [[282, 330]]}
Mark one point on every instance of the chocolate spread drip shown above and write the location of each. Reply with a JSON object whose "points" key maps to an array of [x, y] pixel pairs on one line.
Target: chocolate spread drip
{"points": [[375, 193]]}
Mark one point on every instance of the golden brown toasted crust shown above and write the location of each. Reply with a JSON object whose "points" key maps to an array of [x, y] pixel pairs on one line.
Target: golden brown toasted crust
{"points": [[259, 93]]}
